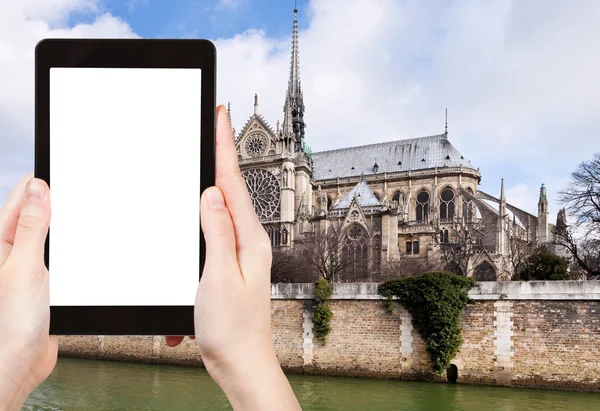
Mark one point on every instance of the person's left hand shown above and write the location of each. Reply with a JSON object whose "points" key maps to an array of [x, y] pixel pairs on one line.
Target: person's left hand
{"points": [[28, 353]]}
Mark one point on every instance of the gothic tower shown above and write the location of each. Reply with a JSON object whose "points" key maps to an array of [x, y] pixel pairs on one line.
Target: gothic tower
{"points": [[293, 109], [542, 229], [298, 200]]}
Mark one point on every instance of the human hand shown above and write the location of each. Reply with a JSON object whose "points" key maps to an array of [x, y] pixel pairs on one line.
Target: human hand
{"points": [[28, 354], [233, 304]]}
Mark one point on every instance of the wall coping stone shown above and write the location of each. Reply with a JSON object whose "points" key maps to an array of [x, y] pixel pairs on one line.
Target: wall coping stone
{"points": [[485, 290]]}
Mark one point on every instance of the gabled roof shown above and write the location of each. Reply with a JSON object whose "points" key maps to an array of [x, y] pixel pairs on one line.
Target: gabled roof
{"points": [[261, 120], [364, 197], [394, 156]]}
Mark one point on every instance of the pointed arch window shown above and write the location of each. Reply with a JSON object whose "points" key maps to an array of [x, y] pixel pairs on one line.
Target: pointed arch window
{"points": [[423, 206], [376, 252], [467, 207], [397, 199], [444, 235], [284, 236], [277, 235], [274, 235], [412, 247], [355, 249], [447, 204]]}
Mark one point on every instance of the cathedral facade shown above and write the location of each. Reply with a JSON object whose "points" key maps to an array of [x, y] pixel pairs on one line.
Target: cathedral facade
{"points": [[392, 200]]}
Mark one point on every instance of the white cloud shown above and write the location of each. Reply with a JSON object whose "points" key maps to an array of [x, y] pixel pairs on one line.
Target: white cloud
{"points": [[518, 78], [22, 24]]}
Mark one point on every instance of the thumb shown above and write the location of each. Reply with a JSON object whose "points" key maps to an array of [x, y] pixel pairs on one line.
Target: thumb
{"points": [[219, 234], [33, 223]]}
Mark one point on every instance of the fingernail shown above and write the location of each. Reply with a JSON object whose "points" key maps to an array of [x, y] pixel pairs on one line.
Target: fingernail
{"points": [[35, 190], [215, 199]]}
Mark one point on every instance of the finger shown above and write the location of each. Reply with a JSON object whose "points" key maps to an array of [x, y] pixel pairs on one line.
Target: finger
{"points": [[173, 341], [192, 337], [229, 179], [217, 226], [32, 225], [9, 215]]}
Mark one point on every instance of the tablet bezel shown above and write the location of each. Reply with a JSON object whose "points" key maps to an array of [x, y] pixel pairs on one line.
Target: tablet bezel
{"points": [[125, 53]]}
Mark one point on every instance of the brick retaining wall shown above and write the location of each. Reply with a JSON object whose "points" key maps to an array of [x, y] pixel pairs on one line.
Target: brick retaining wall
{"points": [[521, 340]]}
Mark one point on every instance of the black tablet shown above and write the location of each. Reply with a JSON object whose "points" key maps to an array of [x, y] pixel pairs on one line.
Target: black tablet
{"points": [[125, 139]]}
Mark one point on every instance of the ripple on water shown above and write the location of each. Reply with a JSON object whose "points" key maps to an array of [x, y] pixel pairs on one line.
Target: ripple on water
{"points": [[102, 385]]}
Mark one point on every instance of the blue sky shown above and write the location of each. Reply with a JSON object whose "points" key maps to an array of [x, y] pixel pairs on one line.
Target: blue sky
{"points": [[519, 78], [204, 19]]}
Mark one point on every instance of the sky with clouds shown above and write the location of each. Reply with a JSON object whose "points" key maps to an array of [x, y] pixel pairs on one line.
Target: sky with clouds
{"points": [[519, 78]]}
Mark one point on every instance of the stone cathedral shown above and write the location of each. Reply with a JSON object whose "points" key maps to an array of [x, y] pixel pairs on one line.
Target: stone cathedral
{"points": [[398, 199]]}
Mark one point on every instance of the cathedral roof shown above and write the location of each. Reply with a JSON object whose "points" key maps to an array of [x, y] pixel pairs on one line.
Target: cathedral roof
{"points": [[364, 197], [394, 156]]}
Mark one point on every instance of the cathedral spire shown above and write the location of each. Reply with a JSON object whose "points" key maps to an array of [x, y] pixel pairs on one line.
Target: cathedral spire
{"points": [[229, 117], [293, 118], [229, 114], [446, 129]]}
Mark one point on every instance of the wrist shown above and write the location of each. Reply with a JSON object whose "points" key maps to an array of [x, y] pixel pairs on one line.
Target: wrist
{"points": [[229, 367], [13, 392], [252, 379], [14, 387]]}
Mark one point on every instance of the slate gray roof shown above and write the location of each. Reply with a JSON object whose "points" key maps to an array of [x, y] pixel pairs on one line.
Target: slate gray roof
{"points": [[436, 151], [364, 197]]}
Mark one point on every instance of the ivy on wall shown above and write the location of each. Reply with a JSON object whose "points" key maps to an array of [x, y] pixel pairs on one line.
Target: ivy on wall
{"points": [[322, 314], [435, 301]]}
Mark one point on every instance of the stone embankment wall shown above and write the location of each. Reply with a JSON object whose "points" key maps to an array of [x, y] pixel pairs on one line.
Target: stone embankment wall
{"points": [[536, 334]]}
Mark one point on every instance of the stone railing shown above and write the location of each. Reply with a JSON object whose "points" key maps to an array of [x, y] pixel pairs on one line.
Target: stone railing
{"points": [[485, 290], [400, 175], [258, 160]]}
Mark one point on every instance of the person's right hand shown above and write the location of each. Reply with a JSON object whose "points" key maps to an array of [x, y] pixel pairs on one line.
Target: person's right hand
{"points": [[233, 303]]}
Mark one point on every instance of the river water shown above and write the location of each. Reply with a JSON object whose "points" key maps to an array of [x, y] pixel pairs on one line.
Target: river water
{"points": [[91, 385]]}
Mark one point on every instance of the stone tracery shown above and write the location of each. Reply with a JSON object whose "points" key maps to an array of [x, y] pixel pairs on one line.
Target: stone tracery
{"points": [[264, 191]]}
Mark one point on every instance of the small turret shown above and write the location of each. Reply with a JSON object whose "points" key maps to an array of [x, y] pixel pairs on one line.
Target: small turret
{"points": [[542, 228]]}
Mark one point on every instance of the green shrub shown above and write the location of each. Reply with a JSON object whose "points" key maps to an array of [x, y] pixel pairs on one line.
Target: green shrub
{"points": [[322, 314], [435, 301], [543, 265]]}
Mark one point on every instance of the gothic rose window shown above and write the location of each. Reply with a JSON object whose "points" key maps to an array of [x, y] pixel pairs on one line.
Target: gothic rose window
{"points": [[264, 191], [447, 204], [423, 206], [356, 252], [256, 144]]}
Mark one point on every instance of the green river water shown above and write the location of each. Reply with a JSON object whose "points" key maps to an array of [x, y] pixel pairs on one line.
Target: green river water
{"points": [[102, 385]]}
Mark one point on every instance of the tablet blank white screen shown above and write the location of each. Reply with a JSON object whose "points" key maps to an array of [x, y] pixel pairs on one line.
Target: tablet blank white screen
{"points": [[124, 186]]}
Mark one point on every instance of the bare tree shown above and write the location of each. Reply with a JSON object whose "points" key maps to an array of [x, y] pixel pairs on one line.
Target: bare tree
{"points": [[398, 267], [459, 243], [581, 199], [518, 249], [323, 253], [287, 268], [585, 253]]}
